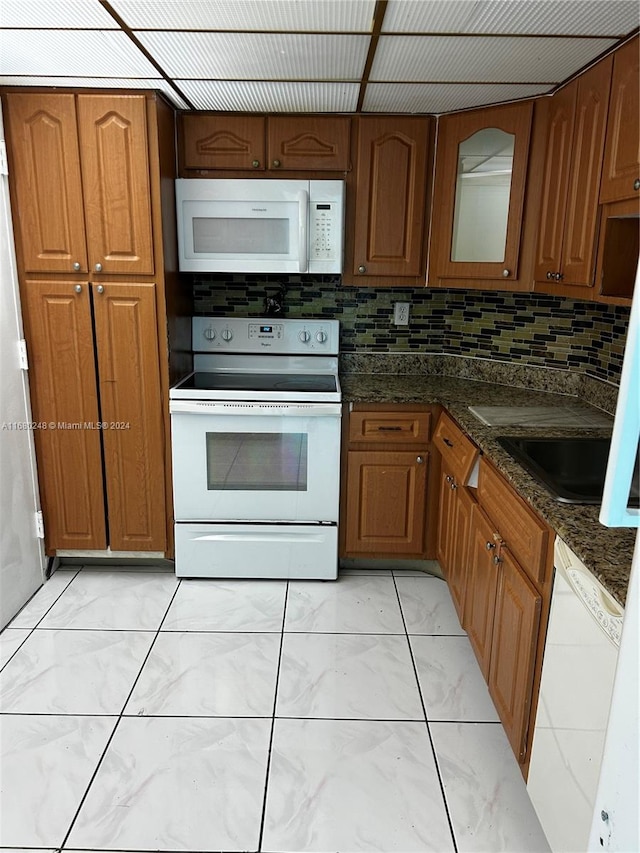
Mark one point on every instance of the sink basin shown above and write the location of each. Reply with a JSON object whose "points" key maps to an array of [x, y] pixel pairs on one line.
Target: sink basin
{"points": [[573, 469]]}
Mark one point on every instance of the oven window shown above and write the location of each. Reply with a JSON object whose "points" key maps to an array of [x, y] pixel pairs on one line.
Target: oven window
{"points": [[257, 461]]}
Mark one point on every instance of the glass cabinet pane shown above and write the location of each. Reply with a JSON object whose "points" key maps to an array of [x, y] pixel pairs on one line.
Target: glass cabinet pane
{"points": [[483, 188]]}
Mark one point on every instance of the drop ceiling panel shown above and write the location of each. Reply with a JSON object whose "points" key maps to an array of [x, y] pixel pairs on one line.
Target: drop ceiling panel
{"points": [[99, 83], [74, 53], [42, 14], [320, 15], [258, 96], [489, 59], [258, 56], [442, 97], [550, 17]]}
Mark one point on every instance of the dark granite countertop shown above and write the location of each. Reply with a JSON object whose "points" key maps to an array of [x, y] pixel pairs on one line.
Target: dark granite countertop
{"points": [[607, 552]]}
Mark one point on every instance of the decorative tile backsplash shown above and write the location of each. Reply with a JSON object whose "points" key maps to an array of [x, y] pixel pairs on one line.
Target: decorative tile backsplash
{"points": [[524, 328]]}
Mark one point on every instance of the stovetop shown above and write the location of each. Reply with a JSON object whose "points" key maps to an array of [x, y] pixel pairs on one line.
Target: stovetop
{"points": [[255, 359]]}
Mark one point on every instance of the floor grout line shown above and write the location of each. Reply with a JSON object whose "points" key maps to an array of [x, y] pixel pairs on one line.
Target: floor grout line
{"points": [[120, 716], [273, 721], [426, 720]]}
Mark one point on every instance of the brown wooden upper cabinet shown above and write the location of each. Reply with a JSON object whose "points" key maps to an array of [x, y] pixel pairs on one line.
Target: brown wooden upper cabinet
{"points": [[569, 213], [210, 142], [82, 161], [387, 215], [621, 172], [481, 167]]}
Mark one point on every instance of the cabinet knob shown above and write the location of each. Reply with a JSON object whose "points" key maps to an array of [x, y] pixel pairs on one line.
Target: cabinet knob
{"points": [[78, 288], [362, 268], [549, 274], [419, 460], [491, 546], [449, 479], [497, 560], [506, 273], [276, 164], [76, 267], [255, 164], [100, 289], [98, 268], [636, 184], [454, 486], [559, 276]]}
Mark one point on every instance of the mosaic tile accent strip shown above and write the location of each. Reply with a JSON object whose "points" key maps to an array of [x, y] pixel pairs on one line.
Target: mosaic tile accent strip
{"points": [[516, 328]]}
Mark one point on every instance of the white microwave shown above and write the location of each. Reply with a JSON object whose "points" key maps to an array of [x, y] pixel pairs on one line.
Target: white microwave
{"points": [[260, 226]]}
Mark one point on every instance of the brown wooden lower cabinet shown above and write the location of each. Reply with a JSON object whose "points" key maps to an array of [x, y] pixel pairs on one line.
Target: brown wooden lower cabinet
{"points": [[513, 650], [495, 553], [64, 398], [482, 586], [454, 523], [386, 502], [101, 455], [131, 404]]}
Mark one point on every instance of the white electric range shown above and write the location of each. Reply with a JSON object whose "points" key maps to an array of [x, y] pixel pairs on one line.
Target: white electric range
{"points": [[256, 450]]}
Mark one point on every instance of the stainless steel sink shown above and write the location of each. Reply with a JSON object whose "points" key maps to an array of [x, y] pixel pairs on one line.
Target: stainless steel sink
{"points": [[573, 469]]}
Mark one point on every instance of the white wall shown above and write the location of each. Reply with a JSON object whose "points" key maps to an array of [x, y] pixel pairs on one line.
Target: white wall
{"points": [[22, 557]]}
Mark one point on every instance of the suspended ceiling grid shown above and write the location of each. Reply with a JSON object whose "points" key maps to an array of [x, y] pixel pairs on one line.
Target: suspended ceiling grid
{"points": [[404, 56]]}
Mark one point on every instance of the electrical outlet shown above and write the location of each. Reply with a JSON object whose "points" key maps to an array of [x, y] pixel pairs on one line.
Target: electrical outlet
{"points": [[401, 313]]}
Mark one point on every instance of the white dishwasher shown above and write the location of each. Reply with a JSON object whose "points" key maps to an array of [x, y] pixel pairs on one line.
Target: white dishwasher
{"points": [[578, 669]]}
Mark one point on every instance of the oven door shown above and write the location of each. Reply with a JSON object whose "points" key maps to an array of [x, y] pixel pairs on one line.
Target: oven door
{"points": [[267, 462]]}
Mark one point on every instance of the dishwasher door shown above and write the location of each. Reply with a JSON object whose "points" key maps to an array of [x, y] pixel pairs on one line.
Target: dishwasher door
{"points": [[578, 669]]}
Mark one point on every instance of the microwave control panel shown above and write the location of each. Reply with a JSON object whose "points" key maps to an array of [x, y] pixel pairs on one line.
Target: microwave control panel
{"points": [[325, 238]]}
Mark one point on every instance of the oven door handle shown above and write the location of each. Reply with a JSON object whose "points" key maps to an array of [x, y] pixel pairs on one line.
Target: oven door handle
{"points": [[276, 410]]}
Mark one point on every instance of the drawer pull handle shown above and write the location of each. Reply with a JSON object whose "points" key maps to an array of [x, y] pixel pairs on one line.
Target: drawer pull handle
{"points": [[447, 442], [389, 429]]}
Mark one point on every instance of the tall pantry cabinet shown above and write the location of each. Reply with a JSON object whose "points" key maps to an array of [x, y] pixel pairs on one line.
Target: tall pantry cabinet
{"points": [[96, 261]]}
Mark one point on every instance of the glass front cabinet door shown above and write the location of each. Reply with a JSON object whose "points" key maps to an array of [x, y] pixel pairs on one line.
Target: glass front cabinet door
{"points": [[481, 166]]}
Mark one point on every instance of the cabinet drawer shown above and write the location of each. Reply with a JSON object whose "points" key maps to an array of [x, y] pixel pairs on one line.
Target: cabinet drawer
{"points": [[525, 535], [458, 452], [390, 427]]}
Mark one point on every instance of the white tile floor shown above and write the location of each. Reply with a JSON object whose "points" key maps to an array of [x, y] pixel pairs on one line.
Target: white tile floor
{"points": [[144, 713]]}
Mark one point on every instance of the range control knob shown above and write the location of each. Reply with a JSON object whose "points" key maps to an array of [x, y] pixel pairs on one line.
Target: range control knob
{"points": [[227, 334], [210, 333], [321, 337], [304, 337]]}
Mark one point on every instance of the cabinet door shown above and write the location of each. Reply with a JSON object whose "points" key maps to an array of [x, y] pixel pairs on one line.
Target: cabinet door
{"points": [[390, 196], [481, 587], [446, 524], [481, 168], [460, 533], [129, 377], [581, 222], [65, 404], [115, 174], [555, 183], [222, 142], [386, 502], [621, 173], [308, 143], [45, 175], [513, 651]]}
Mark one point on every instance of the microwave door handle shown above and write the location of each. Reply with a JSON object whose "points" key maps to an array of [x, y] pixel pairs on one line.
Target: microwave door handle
{"points": [[303, 218]]}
